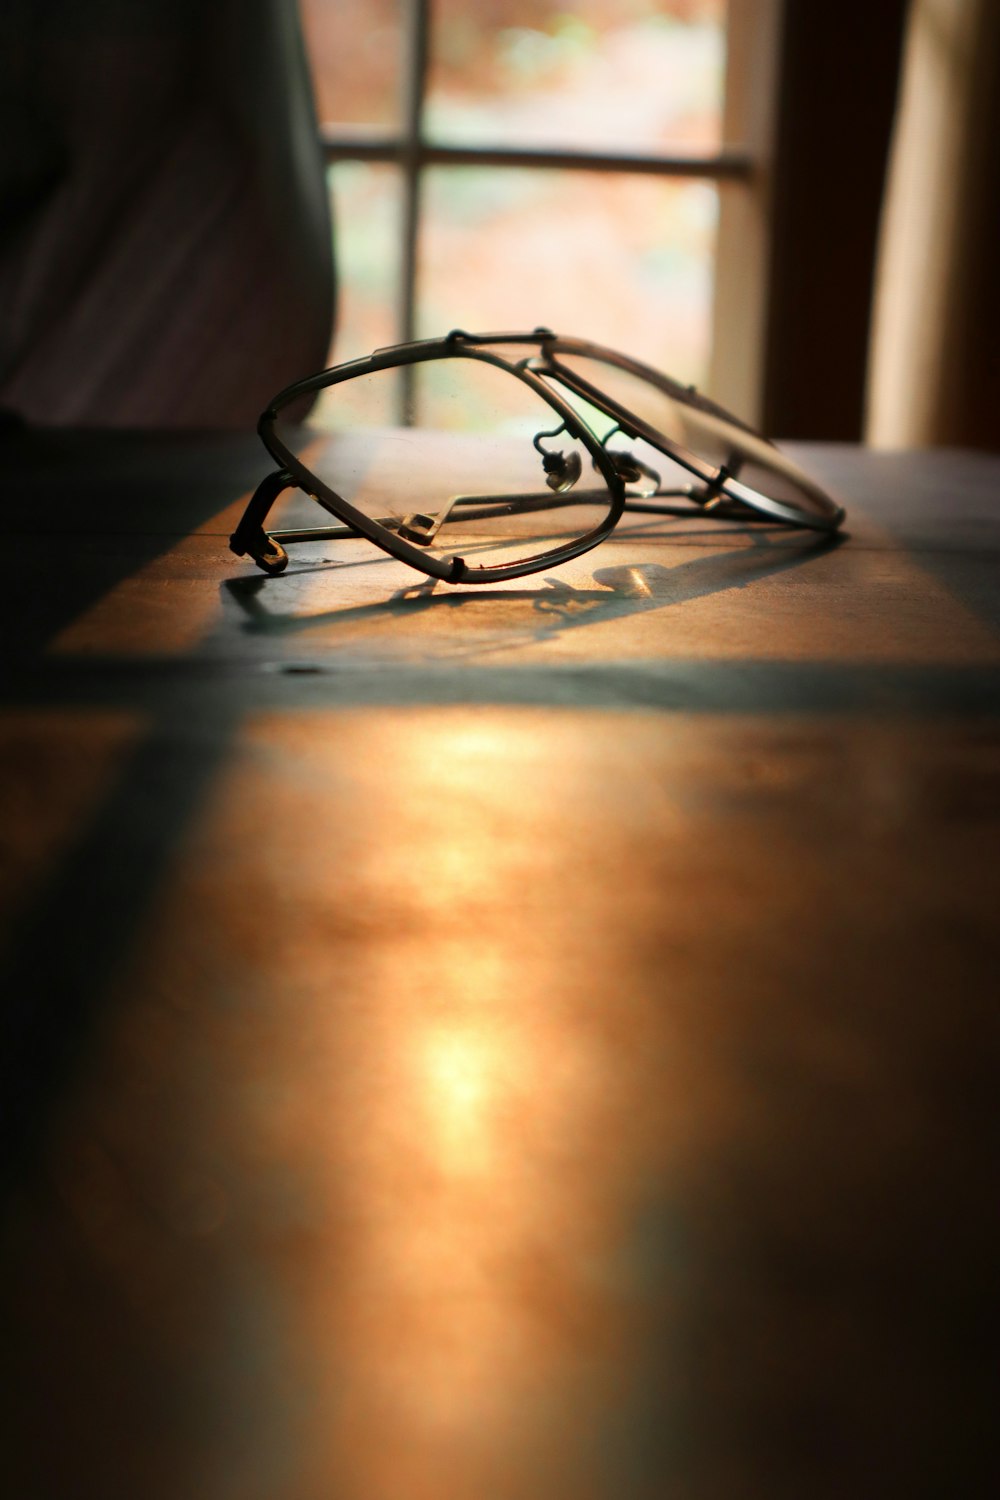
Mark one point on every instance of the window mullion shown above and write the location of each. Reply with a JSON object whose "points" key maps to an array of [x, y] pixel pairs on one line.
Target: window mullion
{"points": [[415, 55], [732, 163]]}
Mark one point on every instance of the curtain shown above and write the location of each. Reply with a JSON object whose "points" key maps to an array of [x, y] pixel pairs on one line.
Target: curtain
{"points": [[165, 244], [934, 375]]}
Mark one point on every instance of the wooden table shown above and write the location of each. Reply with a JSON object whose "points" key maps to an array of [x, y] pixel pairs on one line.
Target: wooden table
{"points": [[525, 1044]]}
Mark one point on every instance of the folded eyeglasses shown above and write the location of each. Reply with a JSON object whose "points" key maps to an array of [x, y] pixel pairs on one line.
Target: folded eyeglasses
{"points": [[482, 457]]}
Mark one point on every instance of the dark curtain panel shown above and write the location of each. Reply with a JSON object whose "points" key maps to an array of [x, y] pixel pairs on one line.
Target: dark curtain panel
{"points": [[165, 245], [838, 84]]}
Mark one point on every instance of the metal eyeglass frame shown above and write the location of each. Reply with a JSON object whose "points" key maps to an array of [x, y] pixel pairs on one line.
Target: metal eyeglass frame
{"points": [[717, 489]]}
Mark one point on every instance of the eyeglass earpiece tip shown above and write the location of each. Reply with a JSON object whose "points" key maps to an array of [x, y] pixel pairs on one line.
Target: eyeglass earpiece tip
{"points": [[275, 562], [268, 554]]}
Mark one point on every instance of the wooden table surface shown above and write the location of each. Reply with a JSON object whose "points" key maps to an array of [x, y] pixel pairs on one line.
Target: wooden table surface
{"points": [[532, 1043]]}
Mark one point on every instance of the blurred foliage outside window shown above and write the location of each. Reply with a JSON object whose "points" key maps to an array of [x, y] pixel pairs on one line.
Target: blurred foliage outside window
{"points": [[623, 258]]}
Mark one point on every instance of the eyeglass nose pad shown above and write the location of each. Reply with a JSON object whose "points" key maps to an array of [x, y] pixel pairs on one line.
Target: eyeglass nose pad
{"points": [[632, 470], [561, 473]]}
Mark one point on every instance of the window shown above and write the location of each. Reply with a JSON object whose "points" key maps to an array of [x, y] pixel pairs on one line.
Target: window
{"points": [[594, 168]]}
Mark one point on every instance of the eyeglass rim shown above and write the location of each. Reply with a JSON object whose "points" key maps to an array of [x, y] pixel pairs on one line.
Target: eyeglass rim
{"points": [[828, 519], [454, 345], [537, 372]]}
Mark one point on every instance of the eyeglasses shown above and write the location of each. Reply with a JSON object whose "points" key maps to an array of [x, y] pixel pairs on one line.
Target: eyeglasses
{"points": [[477, 458]]}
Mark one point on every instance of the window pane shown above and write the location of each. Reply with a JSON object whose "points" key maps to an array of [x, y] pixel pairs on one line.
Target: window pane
{"points": [[355, 51], [367, 208], [624, 260], [638, 75]]}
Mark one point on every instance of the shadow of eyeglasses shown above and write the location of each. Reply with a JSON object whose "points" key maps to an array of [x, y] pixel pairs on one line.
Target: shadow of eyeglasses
{"points": [[622, 589]]}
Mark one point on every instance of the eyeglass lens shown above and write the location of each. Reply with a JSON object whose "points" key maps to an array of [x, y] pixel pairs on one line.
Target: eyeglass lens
{"points": [[483, 468], [708, 436]]}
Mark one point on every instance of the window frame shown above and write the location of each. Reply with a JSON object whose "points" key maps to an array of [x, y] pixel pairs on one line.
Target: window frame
{"points": [[741, 171]]}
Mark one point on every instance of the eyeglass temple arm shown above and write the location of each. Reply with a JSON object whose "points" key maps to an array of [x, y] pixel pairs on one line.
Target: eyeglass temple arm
{"points": [[251, 539]]}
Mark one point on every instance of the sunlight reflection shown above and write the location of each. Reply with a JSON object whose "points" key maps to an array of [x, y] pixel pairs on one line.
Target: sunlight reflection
{"points": [[488, 1205], [425, 1076], [459, 1068]]}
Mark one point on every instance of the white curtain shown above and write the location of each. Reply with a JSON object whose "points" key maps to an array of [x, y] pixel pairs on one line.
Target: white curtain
{"points": [[934, 374]]}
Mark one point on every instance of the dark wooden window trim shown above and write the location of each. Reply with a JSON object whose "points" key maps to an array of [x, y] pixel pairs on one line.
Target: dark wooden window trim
{"points": [[838, 78]]}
